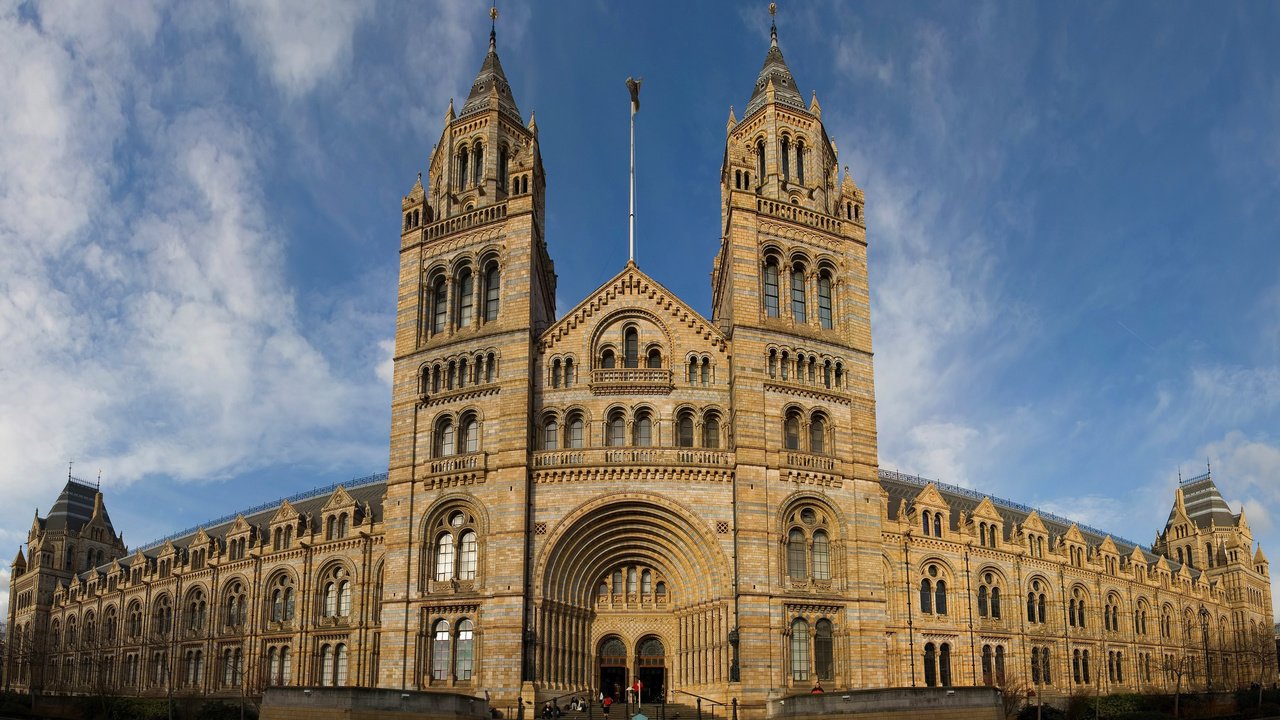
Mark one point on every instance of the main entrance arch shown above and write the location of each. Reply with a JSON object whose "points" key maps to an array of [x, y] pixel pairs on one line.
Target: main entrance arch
{"points": [[644, 571]]}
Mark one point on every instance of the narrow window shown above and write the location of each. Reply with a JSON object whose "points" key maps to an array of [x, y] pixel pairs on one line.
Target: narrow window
{"points": [[466, 299], [643, 431], [760, 159], [439, 305], [797, 294], [654, 360], [574, 439], [444, 557], [817, 435], [502, 168], [711, 431], [786, 158], [800, 161], [631, 348], [555, 373], [568, 372], [492, 288], [477, 170], [823, 655], [796, 555], [799, 650], [982, 601], [440, 651], [462, 167], [987, 674], [940, 598], [469, 442], [693, 370], [684, 430], [550, 435], [995, 603], [937, 524], [463, 661], [944, 664], [821, 556], [444, 438], [771, 288], [468, 550], [607, 359], [926, 596], [824, 300], [930, 666], [616, 430], [706, 371], [791, 431], [924, 522]]}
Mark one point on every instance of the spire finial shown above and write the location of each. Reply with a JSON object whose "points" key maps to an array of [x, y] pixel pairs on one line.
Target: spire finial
{"points": [[493, 27], [773, 24], [69, 463], [99, 486]]}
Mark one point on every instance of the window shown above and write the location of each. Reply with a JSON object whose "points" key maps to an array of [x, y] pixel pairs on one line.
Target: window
{"points": [[444, 557], [771, 288], [1036, 603], [823, 650], [607, 359], [797, 294], [800, 161], [440, 651], [821, 556], [786, 158], [439, 304], [195, 610], [335, 593], [760, 159], [464, 653], [444, 439], [711, 431], [615, 430], [796, 555], [233, 605], [468, 551], [799, 650], [684, 429], [654, 359], [573, 432], [456, 548], [989, 597], [477, 168], [631, 348], [502, 168], [824, 299], [706, 371], [465, 284], [791, 431], [930, 665], [492, 290], [643, 431], [463, 157], [469, 434], [817, 434], [550, 434]]}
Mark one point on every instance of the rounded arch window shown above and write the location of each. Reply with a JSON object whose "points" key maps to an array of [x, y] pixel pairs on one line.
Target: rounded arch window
{"points": [[469, 434], [616, 429], [824, 299], [771, 305], [653, 359], [464, 288], [335, 592], [818, 434], [631, 347], [281, 599], [456, 547], [643, 429], [575, 431], [550, 434], [444, 437], [607, 359], [791, 431], [684, 429], [711, 430]]}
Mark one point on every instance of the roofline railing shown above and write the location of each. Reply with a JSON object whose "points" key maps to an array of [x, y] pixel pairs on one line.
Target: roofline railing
{"points": [[999, 501], [296, 497]]}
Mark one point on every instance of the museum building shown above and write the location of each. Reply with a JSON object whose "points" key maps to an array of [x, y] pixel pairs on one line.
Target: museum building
{"points": [[631, 490]]}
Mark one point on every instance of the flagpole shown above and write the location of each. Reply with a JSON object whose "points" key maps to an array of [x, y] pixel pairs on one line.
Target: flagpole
{"points": [[634, 87]]}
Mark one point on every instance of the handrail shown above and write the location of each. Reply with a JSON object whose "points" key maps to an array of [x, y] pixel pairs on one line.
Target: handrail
{"points": [[701, 697]]}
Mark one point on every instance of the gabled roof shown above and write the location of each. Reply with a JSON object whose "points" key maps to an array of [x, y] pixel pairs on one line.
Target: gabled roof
{"points": [[775, 72], [491, 79]]}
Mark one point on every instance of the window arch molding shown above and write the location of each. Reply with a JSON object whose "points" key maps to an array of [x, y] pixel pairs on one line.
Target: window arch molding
{"points": [[232, 609], [610, 332], [280, 596], [935, 578], [455, 516], [811, 514], [992, 594], [336, 584]]}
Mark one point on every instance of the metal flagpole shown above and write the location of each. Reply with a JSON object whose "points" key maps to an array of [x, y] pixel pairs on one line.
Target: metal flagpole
{"points": [[634, 87]]}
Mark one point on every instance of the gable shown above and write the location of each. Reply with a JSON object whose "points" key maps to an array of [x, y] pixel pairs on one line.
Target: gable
{"points": [[339, 499]]}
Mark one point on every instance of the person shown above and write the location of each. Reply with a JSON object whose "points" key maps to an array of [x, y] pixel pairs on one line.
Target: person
{"points": [[636, 687], [555, 709], [608, 700], [546, 711], [817, 687]]}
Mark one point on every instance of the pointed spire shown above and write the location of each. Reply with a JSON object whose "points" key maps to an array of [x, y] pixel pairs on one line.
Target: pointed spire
{"points": [[775, 71], [732, 123], [449, 115], [533, 123], [21, 562], [491, 81], [814, 107]]}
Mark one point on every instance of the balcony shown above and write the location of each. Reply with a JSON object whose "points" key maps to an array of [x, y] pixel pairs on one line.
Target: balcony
{"points": [[466, 221], [798, 214], [631, 381], [471, 462], [810, 461], [664, 457]]}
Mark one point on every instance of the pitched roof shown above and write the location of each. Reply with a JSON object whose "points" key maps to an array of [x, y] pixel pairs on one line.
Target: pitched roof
{"points": [[1204, 503], [73, 508]]}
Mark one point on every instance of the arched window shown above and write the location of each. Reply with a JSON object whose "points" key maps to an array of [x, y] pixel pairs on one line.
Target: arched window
{"points": [[574, 432], [643, 430], [706, 371], [760, 159], [439, 304], [550, 434], [477, 167], [607, 359], [791, 431], [746, 180], [799, 650], [467, 554], [615, 430], [711, 431], [817, 434], [926, 596], [654, 359], [798, 294], [440, 651], [821, 556], [693, 370], [502, 168], [568, 372], [465, 290], [631, 348], [989, 597], [684, 429], [646, 582], [944, 664], [463, 157], [800, 161], [492, 290], [930, 665], [444, 440], [987, 666], [281, 599], [632, 581], [824, 299], [823, 650], [463, 660], [995, 602], [771, 288], [924, 522], [786, 158], [983, 601], [937, 524], [469, 434], [444, 557], [796, 555], [335, 593], [737, 179]]}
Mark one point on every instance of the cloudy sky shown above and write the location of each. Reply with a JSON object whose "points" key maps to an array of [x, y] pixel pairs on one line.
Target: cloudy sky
{"points": [[1072, 208]]}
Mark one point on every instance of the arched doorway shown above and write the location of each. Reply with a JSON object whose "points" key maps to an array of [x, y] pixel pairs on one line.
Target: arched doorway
{"points": [[612, 660], [651, 668]]}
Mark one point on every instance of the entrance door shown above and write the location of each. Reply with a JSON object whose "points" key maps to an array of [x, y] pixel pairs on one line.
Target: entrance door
{"points": [[651, 668], [613, 668]]}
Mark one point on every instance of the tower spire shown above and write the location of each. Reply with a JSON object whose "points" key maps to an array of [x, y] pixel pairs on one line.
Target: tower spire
{"points": [[773, 24], [493, 27]]}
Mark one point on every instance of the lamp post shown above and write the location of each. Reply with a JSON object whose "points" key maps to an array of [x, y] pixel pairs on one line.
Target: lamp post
{"points": [[1204, 632]]}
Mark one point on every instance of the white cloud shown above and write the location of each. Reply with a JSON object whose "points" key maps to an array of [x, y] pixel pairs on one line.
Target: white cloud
{"points": [[301, 43]]}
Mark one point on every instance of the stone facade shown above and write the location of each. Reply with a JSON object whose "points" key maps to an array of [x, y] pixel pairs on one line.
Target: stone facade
{"points": [[633, 491]]}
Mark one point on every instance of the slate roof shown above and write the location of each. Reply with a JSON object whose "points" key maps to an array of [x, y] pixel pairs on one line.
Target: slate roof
{"points": [[784, 85], [73, 508], [1204, 503], [490, 76]]}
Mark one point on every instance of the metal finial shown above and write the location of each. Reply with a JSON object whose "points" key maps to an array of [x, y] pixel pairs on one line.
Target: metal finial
{"points": [[773, 8], [99, 478], [69, 463], [493, 25]]}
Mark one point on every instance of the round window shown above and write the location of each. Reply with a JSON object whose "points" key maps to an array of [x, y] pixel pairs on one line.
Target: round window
{"points": [[456, 519], [808, 516], [933, 571]]}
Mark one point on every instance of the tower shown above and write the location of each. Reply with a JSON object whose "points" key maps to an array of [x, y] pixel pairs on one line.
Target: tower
{"points": [[475, 286], [789, 288]]}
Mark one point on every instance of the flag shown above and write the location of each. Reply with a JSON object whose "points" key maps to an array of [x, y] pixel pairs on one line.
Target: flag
{"points": [[634, 86]]}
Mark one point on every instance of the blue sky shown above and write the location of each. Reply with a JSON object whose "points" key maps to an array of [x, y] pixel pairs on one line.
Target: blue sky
{"points": [[1072, 212]]}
